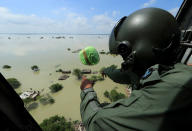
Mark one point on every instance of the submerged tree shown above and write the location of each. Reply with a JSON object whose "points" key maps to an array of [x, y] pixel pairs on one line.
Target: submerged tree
{"points": [[100, 78], [55, 87], [51, 101], [96, 78], [6, 67], [93, 78], [77, 73], [113, 95], [46, 99], [57, 123], [35, 68], [32, 106], [68, 49], [14, 82], [106, 94], [59, 70]]}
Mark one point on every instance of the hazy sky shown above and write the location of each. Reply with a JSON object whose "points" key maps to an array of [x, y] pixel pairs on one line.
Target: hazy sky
{"points": [[71, 16]]}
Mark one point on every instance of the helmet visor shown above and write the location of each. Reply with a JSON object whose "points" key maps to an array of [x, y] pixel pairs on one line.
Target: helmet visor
{"points": [[112, 40]]}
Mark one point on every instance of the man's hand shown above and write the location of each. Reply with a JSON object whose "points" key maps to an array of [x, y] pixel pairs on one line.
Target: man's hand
{"points": [[85, 83]]}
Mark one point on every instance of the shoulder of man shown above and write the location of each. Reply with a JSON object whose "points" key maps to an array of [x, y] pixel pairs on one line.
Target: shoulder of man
{"points": [[177, 74]]}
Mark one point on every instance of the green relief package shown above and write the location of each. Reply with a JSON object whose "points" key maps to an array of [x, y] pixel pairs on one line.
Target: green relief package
{"points": [[89, 56]]}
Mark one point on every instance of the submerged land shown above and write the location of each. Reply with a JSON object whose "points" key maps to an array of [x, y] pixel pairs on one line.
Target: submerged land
{"points": [[41, 62]]}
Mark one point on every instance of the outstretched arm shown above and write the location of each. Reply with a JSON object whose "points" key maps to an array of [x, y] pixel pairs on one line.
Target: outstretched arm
{"points": [[122, 77], [89, 106], [115, 116], [89, 103]]}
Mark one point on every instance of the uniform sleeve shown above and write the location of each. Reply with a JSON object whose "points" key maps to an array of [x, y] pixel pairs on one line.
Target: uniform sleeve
{"points": [[112, 117], [118, 76], [89, 106]]}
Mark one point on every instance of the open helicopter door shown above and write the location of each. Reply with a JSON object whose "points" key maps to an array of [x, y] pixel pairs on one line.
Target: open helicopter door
{"points": [[13, 115], [184, 19]]}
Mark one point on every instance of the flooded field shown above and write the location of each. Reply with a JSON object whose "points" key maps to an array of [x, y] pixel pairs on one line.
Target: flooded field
{"points": [[50, 53]]}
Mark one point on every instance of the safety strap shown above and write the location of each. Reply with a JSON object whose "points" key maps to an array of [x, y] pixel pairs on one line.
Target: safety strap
{"points": [[86, 59]]}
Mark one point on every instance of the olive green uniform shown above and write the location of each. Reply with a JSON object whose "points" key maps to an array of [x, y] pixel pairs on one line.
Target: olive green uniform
{"points": [[163, 103]]}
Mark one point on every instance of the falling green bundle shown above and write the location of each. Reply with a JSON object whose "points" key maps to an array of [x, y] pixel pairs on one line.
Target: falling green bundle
{"points": [[89, 56]]}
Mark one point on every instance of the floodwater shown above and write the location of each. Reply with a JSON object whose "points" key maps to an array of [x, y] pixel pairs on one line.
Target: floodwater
{"points": [[50, 54]]}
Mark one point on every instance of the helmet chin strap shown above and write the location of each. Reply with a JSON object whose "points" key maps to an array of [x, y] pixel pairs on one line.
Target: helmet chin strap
{"points": [[128, 61]]}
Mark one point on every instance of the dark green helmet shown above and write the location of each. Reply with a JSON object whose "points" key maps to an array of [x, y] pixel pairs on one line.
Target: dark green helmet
{"points": [[144, 37]]}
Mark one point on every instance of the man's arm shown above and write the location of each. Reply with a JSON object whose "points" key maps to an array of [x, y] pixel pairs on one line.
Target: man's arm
{"points": [[118, 115], [122, 77], [90, 109], [92, 113], [115, 116], [89, 106], [89, 103]]}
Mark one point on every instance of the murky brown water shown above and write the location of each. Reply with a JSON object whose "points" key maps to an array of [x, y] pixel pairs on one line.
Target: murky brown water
{"points": [[50, 54]]}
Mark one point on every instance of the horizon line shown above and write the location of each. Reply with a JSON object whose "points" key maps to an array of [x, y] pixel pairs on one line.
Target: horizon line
{"points": [[61, 33]]}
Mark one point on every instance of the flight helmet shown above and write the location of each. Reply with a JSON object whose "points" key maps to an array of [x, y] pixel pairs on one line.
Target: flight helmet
{"points": [[146, 37]]}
